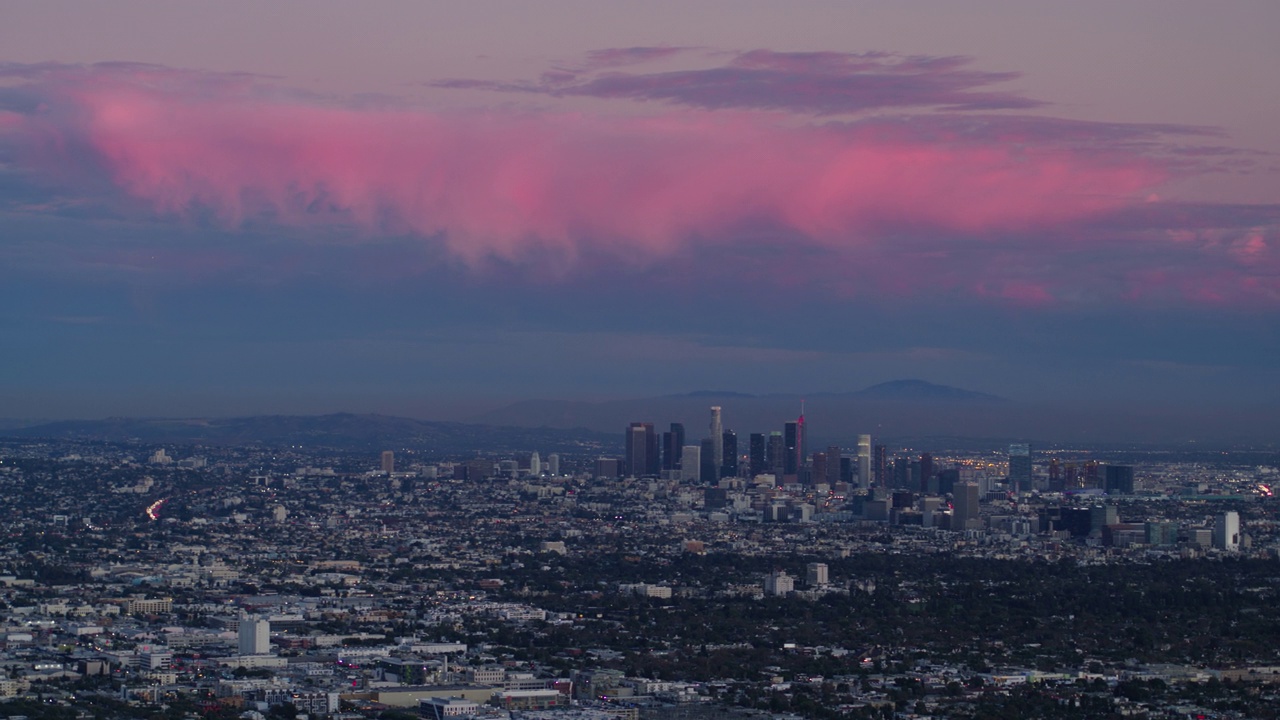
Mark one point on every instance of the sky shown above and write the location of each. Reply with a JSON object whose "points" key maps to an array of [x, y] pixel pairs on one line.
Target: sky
{"points": [[433, 209]]}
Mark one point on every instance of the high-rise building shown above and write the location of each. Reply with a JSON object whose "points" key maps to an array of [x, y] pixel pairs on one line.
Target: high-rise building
{"points": [[947, 480], [388, 462], [776, 453], [691, 462], [1119, 480], [756, 455], [864, 461], [815, 574], [553, 464], [779, 583], [926, 471], [641, 458], [1056, 483], [833, 465], [255, 636], [964, 513], [818, 467], [793, 452], [1089, 475], [802, 446], [881, 467], [901, 473], [1226, 531], [608, 467], [535, 464], [1020, 467], [672, 446], [1101, 516], [709, 462], [717, 434], [729, 454]]}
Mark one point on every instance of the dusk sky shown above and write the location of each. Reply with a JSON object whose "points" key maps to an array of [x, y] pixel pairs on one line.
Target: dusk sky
{"points": [[431, 209]]}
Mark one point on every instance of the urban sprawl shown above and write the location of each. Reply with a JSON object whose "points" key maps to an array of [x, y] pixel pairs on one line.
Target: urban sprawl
{"points": [[670, 576]]}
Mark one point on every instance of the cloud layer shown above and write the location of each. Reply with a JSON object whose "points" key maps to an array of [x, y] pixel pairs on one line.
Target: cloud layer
{"points": [[1014, 208], [813, 82]]}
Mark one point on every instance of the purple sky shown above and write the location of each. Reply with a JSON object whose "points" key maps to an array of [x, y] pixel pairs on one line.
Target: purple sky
{"points": [[420, 208]]}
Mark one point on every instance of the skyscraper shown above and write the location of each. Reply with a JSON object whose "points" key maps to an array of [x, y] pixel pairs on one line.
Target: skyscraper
{"points": [[672, 446], [901, 473], [756, 455], [709, 462], [801, 437], [864, 461], [833, 464], [535, 464], [1020, 467], [729, 454], [388, 462], [642, 451], [1119, 480], [793, 438], [775, 453], [926, 471], [691, 462], [553, 464], [818, 464], [964, 514], [881, 466], [717, 435], [1226, 531]]}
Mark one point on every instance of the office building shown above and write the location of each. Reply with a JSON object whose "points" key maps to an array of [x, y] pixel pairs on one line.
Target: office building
{"points": [[775, 453], [756, 455], [1101, 516], [255, 636], [1020, 467], [1162, 533], [535, 464], [608, 468], [818, 468], [880, 467], [779, 583], [926, 471], [717, 436], [833, 465], [816, 574], [709, 462], [729, 454], [388, 462], [1226, 531], [1056, 483], [672, 446], [793, 448], [864, 461], [1119, 480], [691, 462], [443, 708], [641, 459], [964, 514]]}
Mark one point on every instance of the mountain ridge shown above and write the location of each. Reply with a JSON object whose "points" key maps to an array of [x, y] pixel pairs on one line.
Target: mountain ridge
{"points": [[344, 431]]}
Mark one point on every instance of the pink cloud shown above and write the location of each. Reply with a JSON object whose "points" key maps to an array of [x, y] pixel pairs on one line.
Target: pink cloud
{"points": [[994, 208], [514, 186]]}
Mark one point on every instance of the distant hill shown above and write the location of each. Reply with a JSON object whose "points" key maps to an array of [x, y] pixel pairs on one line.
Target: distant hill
{"points": [[343, 431], [922, 390]]}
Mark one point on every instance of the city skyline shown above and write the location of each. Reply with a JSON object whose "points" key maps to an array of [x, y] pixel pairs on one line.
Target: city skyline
{"points": [[434, 211]]}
